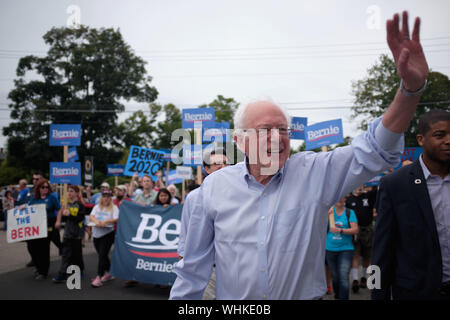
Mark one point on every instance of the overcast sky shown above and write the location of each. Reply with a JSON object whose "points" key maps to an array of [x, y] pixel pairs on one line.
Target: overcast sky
{"points": [[304, 54]]}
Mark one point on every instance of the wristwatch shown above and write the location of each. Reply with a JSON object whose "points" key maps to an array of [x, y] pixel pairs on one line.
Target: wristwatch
{"points": [[412, 94]]}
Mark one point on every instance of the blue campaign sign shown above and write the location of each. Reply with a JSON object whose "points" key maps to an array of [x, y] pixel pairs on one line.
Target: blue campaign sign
{"points": [[65, 135], [72, 154], [145, 247], [375, 181], [143, 162], [220, 133], [173, 178], [298, 128], [204, 116], [115, 170], [411, 154], [65, 172], [323, 134], [193, 153]]}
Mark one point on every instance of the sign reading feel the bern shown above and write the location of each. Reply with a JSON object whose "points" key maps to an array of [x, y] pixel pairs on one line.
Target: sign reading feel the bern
{"points": [[27, 224]]}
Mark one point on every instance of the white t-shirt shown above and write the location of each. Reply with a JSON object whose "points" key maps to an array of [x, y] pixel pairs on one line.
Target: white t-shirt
{"points": [[102, 215]]}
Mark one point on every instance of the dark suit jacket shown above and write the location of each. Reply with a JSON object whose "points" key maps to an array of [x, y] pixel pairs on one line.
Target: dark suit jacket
{"points": [[406, 244]]}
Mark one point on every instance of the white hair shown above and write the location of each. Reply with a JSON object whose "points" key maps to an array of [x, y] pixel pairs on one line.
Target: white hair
{"points": [[241, 113]]}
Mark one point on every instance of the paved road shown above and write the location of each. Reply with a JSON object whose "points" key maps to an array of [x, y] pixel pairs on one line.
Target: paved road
{"points": [[16, 281]]}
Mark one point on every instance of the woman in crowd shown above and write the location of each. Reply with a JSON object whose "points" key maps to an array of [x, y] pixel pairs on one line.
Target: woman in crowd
{"points": [[104, 216], [339, 247], [163, 198], [40, 248]]}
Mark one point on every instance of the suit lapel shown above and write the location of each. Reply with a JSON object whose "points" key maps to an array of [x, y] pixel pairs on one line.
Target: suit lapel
{"points": [[421, 195]]}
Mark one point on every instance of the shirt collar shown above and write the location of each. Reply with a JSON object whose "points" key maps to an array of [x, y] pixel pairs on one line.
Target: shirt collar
{"points": [[246, 174], [426, 172]]}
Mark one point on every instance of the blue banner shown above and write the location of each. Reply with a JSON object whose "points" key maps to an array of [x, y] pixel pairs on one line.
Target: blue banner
{"points": [[323, 134], [72, 154], [411, 154], [298, 128], [65, 172], [220, 133], [205, 116], [143, 162], [115, 170], [145, 247], [65, 135]]}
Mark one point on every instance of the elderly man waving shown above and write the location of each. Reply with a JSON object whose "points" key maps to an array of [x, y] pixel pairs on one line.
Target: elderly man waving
{"points": [[266, 227]]}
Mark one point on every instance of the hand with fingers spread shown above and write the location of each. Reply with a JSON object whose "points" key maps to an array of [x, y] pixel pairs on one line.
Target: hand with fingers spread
{"points": [[409, 58]]}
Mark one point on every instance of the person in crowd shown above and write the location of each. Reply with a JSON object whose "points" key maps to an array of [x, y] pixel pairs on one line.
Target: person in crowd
{"points": [[40, 248], [121, 195], [74, 213], [191, 187], [148, 195], [339, 247], [95, 199], [37, 175], [174, 194], [362, 202], [24, 194], [163, 198], [104, 215], [412, 234], [265, 229], [7, 204]]}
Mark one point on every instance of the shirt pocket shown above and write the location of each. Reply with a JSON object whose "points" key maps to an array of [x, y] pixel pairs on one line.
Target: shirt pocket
{"points": [[288, 225]]}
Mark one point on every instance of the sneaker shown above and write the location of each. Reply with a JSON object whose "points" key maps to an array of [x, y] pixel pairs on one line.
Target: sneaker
{"points": [[60, 279], [96, 283], [40, 277], [106, 277], [363, 283], [329, 290], [355, 286]]}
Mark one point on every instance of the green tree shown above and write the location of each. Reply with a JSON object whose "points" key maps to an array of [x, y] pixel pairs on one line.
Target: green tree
{"points": [[374, 93], [85, 77], [224, 109]]}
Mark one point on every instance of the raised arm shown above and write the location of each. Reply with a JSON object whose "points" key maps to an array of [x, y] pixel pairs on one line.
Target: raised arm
{"points": [[412, 68]]}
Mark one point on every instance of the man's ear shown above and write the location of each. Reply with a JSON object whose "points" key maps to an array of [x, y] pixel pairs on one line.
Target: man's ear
{"points": [[420, 139]]}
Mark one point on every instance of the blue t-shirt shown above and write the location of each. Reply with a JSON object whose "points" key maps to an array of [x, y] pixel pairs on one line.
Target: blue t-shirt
{"points": [[340, 241], [51, 204]]}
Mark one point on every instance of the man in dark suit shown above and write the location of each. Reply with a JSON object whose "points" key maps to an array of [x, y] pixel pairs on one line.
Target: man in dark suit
{"points": [[412, 234]]}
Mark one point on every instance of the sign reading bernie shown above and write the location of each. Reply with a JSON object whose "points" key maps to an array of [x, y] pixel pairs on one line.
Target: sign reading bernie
{"points": [[145, 248], [323, 134], [65, 135], [65, 172]]}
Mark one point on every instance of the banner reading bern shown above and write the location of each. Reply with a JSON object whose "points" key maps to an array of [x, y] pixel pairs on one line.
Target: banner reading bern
{"points": [[145, 248]]}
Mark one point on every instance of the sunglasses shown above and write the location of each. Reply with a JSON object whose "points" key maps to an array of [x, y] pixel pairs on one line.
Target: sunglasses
{"points": [[45, 187]]}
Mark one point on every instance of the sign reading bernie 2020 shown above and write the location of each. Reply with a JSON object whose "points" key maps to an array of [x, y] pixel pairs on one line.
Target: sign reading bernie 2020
{"points": [[143, 162], [145, 248]]}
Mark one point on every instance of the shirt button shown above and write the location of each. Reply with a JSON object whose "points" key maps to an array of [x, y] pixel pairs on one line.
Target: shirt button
{"points": [[263, 217], [262, 270], [261, 243], [264, 296]]}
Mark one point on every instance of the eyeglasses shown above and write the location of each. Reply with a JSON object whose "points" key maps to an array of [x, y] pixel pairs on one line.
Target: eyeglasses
{"points": [[45, 187], [282, 131]]}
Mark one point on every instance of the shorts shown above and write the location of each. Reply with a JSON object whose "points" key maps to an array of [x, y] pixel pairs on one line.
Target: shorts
{"points": [[363, 242]]}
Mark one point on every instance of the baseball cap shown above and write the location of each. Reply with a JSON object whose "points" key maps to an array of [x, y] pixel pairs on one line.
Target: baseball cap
{"points": [[105, 184]]}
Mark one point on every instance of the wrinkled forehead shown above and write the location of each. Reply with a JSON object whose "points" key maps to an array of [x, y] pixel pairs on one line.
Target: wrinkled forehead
{"points": [[263, 114]]}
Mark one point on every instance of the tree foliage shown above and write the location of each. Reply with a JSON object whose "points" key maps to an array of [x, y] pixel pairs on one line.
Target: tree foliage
{"points": [[374, 93], [85, 77]]}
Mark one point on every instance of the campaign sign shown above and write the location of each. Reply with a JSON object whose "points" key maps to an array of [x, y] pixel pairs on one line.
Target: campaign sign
{"points": [[411, 154], [65, 172], [298, 128], [145, 247], [143, 162], [72, 154], [27, 224], [205, 116], [65, 135], [375, 181], [193, 153], [220, 133], [173, 178], [323, 134], [115, 170], [184, 172], [169, 155]]}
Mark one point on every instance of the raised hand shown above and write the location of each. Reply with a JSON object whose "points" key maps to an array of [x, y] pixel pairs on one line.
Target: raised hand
{"points": [[408, 54]]}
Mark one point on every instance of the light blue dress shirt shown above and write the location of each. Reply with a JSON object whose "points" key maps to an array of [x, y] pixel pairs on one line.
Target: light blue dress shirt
{"points": [[439, 191], [268, 242]]}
